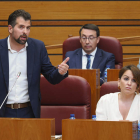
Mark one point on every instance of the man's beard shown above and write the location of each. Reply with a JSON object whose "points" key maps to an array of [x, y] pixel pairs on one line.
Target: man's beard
{"points": [[21, 41]]}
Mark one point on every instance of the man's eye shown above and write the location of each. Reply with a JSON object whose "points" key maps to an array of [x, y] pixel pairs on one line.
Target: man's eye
{"points": [[91, 38]]}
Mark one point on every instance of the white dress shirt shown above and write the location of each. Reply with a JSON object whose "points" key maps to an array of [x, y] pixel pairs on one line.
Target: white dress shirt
{"points": [[84, 58], [18, 63]]}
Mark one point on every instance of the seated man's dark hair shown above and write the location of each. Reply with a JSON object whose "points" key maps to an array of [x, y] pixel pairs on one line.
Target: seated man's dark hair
{"points": [[90, 27]]}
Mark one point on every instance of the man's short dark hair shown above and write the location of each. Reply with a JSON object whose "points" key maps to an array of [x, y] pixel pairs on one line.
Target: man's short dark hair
{"points": [[18, 13], [90, 27]]}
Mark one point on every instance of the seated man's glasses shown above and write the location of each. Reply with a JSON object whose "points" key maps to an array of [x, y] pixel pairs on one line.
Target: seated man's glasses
{"points": [[90, 38]]}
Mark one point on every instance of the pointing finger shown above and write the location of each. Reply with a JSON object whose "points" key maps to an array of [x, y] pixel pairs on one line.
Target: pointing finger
{"points": [[66, 60]]}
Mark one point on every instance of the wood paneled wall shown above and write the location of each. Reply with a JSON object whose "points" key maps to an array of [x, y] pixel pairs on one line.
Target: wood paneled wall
{"points": [[52, 22]]}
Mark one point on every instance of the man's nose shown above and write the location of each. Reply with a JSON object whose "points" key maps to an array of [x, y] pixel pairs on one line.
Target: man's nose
{"points": [[25, 30], [87, 41]]}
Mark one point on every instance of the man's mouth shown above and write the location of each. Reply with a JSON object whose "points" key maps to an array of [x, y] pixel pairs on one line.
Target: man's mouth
{"points": [[88, 46], [23, 37]]}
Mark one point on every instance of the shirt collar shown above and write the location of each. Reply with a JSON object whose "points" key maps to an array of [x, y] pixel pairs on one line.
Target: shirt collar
{"points": [[92, 54], [9, 47]]}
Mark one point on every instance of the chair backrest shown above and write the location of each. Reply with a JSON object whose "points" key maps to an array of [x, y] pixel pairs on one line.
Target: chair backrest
{"points": [[109, 87], [106, 43], [70, 96]]}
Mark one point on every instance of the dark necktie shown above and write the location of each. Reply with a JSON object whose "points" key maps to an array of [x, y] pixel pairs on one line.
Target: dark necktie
{"points": [[88, 61]]}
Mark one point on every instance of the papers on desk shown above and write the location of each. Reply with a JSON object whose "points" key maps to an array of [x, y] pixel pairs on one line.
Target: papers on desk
{"points": [[58, 136]]}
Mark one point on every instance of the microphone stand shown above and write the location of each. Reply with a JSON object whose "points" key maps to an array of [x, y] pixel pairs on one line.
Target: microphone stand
{"points": [[19, 73]]}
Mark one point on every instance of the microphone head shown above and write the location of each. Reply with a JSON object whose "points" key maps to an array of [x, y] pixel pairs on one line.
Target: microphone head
{"points": [[19, 73]]}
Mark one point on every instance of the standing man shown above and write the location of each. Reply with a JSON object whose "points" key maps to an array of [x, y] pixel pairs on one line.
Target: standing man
{"points": [[28, 56], [90, 56]]}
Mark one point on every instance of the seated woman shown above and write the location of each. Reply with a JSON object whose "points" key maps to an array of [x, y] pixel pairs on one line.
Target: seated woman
{"points": [[123, 105]]}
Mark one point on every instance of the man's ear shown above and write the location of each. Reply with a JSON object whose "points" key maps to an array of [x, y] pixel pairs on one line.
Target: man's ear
{"points": [[98, 39], [10, 29], [80, 39]]}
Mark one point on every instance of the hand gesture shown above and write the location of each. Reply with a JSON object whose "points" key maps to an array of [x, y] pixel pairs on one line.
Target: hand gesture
{"points": [[63, 67]]}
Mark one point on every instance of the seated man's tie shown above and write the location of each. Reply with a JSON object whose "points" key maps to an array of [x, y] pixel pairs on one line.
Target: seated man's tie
{"points": [[88, 61]]}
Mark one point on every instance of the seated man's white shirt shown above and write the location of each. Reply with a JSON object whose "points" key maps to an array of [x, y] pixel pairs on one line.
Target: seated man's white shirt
{"points": [[84, 58], [108, 108], [18, 63]]}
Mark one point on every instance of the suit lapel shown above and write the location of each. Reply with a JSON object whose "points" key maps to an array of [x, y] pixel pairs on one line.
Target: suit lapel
{"points": [[97, 59], [79, 59], [30, 60], [4, 60]]}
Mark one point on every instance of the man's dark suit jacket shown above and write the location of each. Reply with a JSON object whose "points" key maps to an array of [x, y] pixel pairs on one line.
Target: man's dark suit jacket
{"points": [[37, 63], [101, 60]]}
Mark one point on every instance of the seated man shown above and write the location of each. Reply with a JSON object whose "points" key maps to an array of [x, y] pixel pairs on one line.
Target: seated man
{"points": [[90, 56]]}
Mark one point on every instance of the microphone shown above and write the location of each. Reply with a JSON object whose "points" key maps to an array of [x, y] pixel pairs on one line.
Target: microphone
{"points": [[18, 75]]}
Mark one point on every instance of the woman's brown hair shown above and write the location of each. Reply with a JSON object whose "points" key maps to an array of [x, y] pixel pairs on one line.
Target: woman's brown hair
{"points": [[135, 71]]}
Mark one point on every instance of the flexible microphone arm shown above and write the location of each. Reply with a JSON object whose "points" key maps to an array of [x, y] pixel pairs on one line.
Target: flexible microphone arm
{"points": [[19, 73]]}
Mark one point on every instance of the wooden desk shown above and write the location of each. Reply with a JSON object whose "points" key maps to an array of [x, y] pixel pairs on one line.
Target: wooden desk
{"points": [[112, 74], [27, 129], [87, 129], [93, 78]]}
